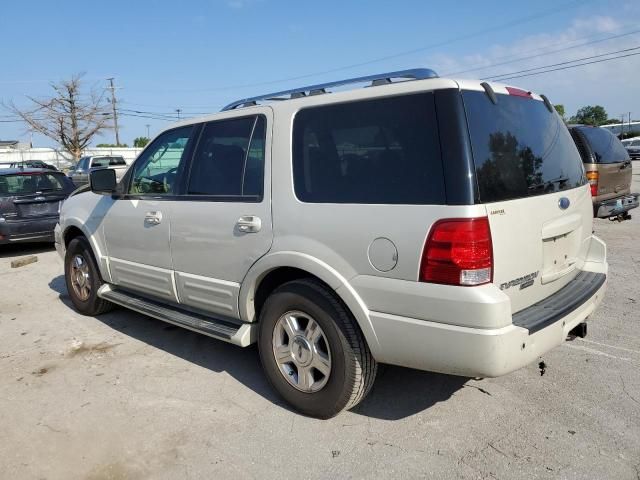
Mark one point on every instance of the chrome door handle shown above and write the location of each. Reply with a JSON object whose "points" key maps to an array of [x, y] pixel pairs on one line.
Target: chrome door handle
{"points": [[153, 218], [249, 224]]}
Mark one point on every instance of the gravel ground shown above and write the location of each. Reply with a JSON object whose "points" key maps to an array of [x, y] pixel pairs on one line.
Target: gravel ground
{"points": [[126, 396]]}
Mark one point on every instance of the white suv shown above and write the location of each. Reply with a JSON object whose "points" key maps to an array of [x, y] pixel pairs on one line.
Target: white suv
{"points": [[424, 222]]}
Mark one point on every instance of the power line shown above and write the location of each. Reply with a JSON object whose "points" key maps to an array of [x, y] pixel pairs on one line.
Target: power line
{"points": [[571, 66], [548, 52], [506, 25], [499, 77]]}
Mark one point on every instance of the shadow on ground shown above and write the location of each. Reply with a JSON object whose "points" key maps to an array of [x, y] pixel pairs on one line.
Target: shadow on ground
{"points": [[397, 393], [22, 249]]}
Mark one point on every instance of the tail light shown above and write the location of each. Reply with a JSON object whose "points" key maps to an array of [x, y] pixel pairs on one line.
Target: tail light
{"points": [[592, 177], [458, 251]]}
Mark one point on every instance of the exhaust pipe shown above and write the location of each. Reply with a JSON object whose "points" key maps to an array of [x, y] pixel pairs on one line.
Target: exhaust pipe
{"points": [[579, 330]]}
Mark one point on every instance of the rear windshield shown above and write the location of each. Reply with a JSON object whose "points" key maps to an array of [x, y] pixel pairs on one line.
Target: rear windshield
{"points": [[520, 149], [605, 145], [24, 183], [382, 151], [107, 161]]}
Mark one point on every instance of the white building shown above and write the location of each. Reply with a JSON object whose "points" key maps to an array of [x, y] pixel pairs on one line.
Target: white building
{"points": [[617, 128], [59, 158]]}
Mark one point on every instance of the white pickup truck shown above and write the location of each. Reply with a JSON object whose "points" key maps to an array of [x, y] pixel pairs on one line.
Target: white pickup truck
{"points": [[80, 174]]}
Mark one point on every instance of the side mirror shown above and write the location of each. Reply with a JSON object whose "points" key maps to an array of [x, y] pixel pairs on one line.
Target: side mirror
{"points": [[102, 181]]}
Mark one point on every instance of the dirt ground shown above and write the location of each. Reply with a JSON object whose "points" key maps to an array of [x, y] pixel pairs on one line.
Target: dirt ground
{"points": [[126, 396]]}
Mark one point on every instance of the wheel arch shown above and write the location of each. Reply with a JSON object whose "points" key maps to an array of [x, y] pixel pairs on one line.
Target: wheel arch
{"points": [[275, 269], [73, 230]]}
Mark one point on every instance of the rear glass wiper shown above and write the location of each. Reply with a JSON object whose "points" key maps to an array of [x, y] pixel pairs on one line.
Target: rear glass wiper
{"points": [[560, 180]]}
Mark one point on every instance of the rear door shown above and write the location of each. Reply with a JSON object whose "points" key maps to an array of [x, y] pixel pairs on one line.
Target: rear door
{"points": [[531, 180], [80, 175], [223, 224]]}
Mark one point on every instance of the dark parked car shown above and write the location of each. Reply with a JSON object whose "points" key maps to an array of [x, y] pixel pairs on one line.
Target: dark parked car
{"points": [[30, 202], [33, 164], [608, 168]]}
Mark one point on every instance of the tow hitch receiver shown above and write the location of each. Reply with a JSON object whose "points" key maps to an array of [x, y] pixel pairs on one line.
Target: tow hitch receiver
{"points": [[579, 330]]}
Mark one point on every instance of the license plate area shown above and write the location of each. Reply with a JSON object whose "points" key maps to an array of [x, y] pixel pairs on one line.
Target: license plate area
{"points": [[559, 256], [38, 209]]}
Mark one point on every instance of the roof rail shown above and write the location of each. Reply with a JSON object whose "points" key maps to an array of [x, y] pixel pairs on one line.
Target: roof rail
{"points": [[379, 79]]}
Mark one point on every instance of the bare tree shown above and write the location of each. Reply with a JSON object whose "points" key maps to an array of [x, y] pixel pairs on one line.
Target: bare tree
{"points": [[71, 117]]}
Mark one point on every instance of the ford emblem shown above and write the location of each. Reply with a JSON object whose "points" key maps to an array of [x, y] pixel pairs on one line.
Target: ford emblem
{"points": [[564, 203]]}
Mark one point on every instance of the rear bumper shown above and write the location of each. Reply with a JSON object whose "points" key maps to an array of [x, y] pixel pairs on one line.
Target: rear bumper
{"points": [[28, 230], [616, 206], [471, 352]]}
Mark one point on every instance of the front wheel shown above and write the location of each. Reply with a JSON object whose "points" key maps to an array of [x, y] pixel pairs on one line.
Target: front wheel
{"points": [[83, 278], [312, 351]]}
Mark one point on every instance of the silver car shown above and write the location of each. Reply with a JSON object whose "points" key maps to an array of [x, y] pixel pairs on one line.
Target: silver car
{"points": [[80, 174], [424, 222]]}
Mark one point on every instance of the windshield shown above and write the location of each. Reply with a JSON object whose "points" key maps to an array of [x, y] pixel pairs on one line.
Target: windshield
{"points": [[519, 148], [605, 145], [25, 184]]}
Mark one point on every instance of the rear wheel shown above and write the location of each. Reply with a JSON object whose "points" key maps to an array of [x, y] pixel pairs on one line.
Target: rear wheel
{"points": [[83, 278], [312, 351]]}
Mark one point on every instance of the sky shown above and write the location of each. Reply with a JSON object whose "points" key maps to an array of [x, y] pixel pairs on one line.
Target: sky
{"points": [[199, 55]]}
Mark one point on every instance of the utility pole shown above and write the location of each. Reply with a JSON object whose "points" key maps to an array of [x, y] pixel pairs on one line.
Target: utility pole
{"points": [[147, 125], [115, 112], [178, 110], [629, 123]]}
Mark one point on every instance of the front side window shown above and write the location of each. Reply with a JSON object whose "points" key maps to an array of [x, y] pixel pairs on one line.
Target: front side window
{"points": [[156, 170], [382, 151], [83, 163], [229, 159]]}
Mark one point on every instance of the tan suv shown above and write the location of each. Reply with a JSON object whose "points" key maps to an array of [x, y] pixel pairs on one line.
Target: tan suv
{"points": [[608, 168]]}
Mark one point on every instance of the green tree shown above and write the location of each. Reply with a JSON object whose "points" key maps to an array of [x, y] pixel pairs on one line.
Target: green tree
{"points": [[140, 142], [111, 145], [560, 110], [589, 115]]}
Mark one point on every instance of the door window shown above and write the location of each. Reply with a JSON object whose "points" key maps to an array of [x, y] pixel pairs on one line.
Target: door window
{"points": [[229, 160], [156, 170], [83, 164]]}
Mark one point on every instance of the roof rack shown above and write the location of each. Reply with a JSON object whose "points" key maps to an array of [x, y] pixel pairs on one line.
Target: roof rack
{"points": [[379, 79]]}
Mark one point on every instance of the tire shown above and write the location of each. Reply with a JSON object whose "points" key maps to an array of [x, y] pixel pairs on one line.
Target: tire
{"points": [[85, 296], [340, 343]]}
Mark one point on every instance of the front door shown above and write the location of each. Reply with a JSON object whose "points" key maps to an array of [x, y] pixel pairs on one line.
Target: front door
{"points": [[137, 227], [224, 225]]}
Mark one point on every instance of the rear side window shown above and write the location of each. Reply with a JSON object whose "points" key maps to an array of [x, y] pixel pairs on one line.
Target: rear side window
{"points": [[519, 148], [25, 184], [229, 159], [605, 146], [116, 161], [382, 151]]}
